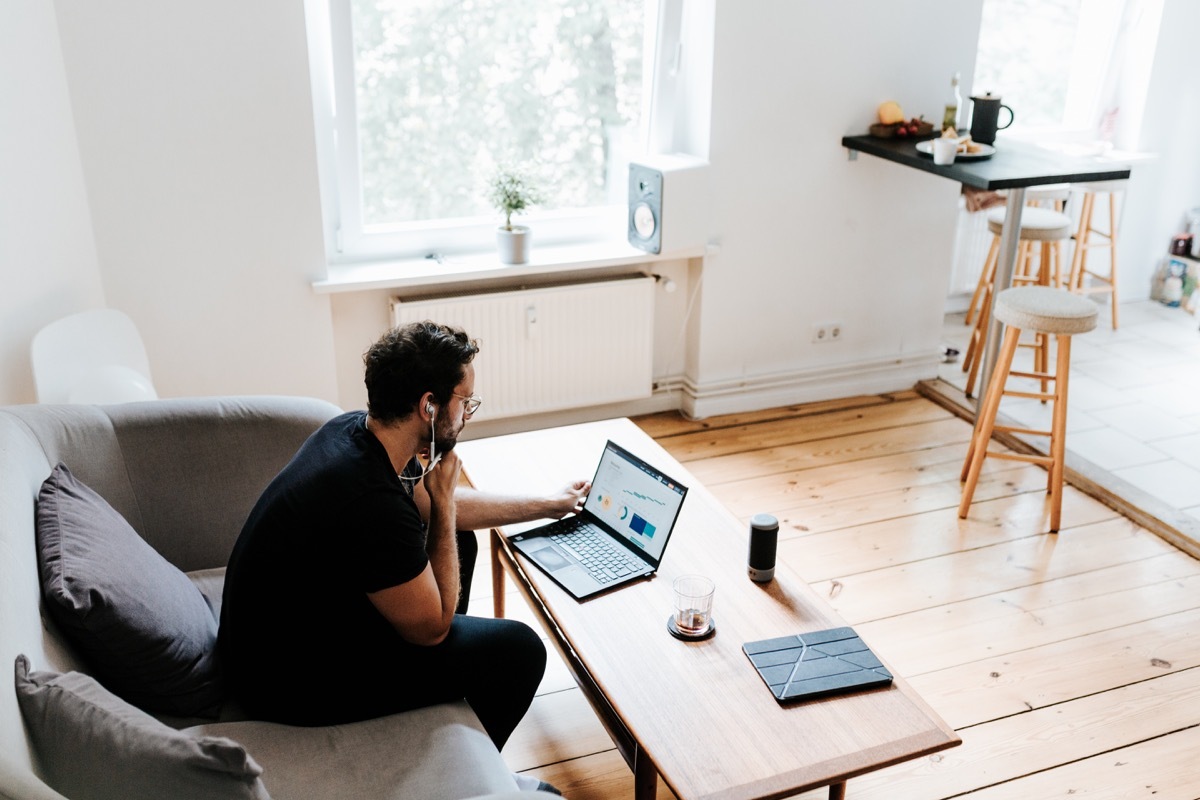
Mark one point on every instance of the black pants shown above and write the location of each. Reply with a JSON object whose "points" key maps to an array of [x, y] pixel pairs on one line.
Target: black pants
{"points": [[496, 665], [468, 552], [481, 641]]}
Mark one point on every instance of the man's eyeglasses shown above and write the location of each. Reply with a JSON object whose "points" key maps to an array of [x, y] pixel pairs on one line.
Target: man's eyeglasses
{"points": [[471, 404]]}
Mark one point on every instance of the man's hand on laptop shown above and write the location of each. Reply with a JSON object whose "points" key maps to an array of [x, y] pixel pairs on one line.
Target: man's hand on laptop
{"points": [[569, 500]]}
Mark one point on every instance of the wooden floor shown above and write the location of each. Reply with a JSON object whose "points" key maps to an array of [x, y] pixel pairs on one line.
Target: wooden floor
{"points": [[1068, 663]]}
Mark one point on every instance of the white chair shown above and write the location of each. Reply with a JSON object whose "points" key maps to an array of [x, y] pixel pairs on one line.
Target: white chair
{"points": [[91, 357]]}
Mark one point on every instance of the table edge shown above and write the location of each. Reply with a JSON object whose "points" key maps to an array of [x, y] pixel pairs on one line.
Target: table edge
{"points": [[871, 146]]}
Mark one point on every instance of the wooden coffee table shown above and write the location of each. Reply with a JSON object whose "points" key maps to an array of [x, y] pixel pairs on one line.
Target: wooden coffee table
{"points": [[695, 712]]}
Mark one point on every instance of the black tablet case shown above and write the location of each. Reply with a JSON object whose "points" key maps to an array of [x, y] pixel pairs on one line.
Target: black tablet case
{"points": [[816, 664]]}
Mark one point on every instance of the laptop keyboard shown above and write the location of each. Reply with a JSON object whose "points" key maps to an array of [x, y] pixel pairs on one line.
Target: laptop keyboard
{"points": [[604, 560]]}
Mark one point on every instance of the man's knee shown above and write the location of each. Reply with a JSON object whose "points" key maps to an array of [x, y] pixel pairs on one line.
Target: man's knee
{"points": [[532, 647], [520, 645]]}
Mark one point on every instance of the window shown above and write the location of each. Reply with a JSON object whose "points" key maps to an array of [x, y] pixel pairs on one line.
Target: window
{"points": [[1070, 69], [428, 98]]}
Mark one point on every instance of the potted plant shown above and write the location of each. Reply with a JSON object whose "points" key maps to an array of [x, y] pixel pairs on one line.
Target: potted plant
{"points": [[511, 194]]}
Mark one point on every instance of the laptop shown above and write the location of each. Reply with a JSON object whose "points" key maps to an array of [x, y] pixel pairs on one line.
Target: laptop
{"points": [[620, 534]]}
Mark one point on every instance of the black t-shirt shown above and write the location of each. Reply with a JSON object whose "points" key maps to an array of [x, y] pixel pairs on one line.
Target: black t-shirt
{"points": [[335, 524]]}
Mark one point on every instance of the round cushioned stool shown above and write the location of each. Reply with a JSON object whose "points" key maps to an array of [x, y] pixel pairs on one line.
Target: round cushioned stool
{"points": [[1046, 224], [1038, 225], [1046, 311]]}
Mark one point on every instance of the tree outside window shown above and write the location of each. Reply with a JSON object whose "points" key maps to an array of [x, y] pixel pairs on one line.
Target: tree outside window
{"points": [[1025, 49], [447, 92], [1070, 69]]}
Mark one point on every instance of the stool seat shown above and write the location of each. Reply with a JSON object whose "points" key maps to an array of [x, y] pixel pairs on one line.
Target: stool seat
{"points": [[1051, 191], [1101, 186], [1046, 310], [1038, 224], [1043, 228]]}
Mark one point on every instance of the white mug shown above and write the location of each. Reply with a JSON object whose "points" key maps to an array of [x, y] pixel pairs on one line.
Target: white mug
{"points": [[944, 150]]}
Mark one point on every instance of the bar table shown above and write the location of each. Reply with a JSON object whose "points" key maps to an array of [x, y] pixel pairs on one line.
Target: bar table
{"points": [[1014, 167]]}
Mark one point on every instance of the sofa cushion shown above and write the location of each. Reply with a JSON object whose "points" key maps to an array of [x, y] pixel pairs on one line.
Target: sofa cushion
{"points": [[435, 753], [142, 626], [94, 746]]}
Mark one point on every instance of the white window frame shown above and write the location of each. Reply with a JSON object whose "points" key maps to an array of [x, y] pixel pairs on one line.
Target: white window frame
{"points": [[347, 239]]}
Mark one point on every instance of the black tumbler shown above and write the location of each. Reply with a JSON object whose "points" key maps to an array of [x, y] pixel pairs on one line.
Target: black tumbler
{"points": [[764, 536]]}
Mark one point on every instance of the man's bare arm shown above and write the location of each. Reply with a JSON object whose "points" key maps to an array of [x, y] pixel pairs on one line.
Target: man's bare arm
{"points": [[481, 510], [478, 509]]}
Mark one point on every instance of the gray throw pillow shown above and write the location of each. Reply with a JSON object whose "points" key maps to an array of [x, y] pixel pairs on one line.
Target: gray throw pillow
{"points": [[94, 746], [143, 627]]}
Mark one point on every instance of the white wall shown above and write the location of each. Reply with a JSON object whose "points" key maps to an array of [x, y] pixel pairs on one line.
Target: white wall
{"points": [[1163, 190], [48, 264], [807, 236], [196, 130]]}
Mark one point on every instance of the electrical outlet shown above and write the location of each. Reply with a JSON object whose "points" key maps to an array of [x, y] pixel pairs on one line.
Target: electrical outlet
{"points": [[827, 332]]}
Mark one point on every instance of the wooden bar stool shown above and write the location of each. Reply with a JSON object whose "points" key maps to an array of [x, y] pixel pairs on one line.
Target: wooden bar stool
{"points": [[1055, 197], [1048, 312], [1038, 225], [1088, 237]]}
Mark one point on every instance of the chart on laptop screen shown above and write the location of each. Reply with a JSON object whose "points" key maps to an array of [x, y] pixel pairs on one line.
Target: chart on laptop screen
{"points": [[635, 501]]}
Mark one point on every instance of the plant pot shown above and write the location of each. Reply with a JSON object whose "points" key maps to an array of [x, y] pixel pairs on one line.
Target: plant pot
{"points": [[513, 245]]}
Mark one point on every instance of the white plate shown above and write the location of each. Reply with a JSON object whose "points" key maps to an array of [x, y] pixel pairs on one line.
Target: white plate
{"points": [[926, 147]]}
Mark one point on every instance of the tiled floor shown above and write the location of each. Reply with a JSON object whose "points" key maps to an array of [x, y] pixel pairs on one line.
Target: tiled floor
{"points": [[1134, 406]]}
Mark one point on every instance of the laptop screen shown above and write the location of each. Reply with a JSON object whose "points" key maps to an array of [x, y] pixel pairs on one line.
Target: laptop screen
{"points": [[635, 500]]}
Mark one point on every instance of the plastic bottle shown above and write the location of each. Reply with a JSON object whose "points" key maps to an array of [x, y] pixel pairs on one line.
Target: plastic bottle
{"points": [[1194, 230], [953, 104]]}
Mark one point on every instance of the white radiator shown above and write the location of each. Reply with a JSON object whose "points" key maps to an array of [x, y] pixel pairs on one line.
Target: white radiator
{"points": [[552, 348], [970, 250]]}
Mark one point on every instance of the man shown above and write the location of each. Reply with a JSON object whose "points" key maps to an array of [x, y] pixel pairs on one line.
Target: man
{"points": [[342, 590]]}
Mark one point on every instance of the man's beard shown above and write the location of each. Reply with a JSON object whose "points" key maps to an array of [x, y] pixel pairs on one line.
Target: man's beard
{"points": [[447, 438]]}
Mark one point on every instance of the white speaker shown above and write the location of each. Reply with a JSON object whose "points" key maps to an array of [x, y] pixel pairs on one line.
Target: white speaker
{"points": [[668, 203]]}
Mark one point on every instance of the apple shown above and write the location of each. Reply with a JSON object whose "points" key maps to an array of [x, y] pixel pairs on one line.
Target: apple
{"points": [[889, 112]]}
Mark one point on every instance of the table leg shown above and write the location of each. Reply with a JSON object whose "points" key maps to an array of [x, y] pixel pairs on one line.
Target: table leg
{"points": [[497, 577], [1006, 262], [645, 776], [837, 791]]}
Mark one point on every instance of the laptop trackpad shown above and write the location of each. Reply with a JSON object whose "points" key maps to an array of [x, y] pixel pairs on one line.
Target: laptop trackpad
{"points": [[549, 557]]}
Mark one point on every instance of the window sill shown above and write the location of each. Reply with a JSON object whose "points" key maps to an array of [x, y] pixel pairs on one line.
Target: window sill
{"points": [[484, 268]]}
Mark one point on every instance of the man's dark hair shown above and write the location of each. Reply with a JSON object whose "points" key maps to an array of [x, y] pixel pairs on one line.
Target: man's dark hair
{"points": [[410, 360]]}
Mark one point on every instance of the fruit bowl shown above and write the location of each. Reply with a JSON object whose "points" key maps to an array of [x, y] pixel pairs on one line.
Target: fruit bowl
{"points": [[912, 130]]}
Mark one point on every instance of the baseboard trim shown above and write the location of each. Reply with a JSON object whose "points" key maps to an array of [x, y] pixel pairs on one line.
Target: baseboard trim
{"points": [[755, 393], [1169, 523]]}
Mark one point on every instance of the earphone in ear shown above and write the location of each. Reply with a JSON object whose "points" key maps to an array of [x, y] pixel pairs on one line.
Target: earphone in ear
{"points": [[431, 410]]}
